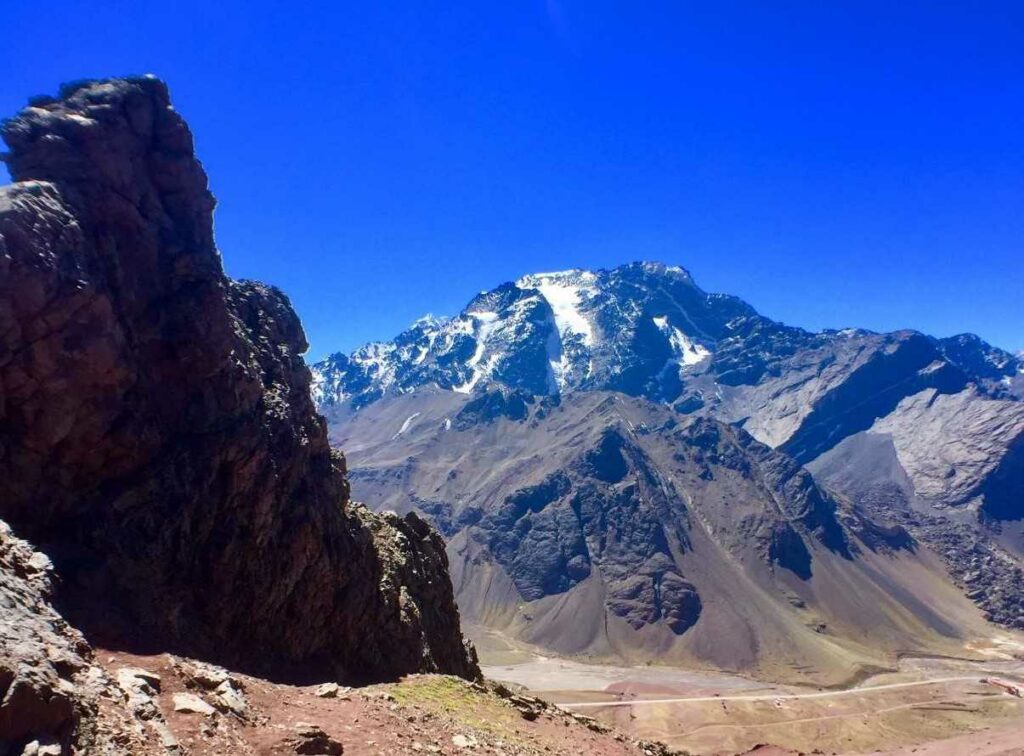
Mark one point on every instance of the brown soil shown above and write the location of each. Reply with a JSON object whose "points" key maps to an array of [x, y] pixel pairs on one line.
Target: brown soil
{"points": [[429, 714]]}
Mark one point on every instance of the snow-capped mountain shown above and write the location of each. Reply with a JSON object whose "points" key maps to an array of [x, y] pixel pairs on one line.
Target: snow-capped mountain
{"points": [[645, 329], [636, 328], [593, 442]]}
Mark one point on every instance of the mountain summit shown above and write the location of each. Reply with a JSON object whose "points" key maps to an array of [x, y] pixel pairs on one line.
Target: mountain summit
{"points": [[633, 328], [645, 329]]}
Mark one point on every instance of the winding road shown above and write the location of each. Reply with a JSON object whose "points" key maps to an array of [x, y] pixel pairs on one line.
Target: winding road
{"points": [[772, 697]]}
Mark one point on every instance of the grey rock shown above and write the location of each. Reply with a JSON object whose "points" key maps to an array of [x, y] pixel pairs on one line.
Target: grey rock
{"points": [[228, 697], [327, 690], [190, 703], [311, 739], [42, 659]]}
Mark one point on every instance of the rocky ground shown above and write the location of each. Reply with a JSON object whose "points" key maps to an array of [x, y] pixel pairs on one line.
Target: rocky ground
{"points": [[186, 707]]}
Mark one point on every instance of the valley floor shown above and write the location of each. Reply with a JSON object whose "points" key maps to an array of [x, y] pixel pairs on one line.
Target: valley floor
{"points": [[925, 705]]}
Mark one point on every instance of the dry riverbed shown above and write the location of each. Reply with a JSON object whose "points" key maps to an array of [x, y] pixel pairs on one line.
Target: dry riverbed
{"points": [[938, 706]]}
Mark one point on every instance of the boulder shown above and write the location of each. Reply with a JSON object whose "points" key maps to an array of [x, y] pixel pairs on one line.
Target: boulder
{"points": [[190, 703]]}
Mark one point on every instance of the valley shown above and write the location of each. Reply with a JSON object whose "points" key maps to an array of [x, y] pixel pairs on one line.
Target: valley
{"points": [[941, 702], [704, 527]]}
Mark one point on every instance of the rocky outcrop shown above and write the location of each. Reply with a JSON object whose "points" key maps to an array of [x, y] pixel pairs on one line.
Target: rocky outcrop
{"points": [[50, 683], [607, 514], [157, 437], [39, 654]]}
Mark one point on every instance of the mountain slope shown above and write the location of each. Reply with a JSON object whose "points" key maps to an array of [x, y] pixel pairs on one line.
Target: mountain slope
{"points": [[648, 330], [494, 423], [605, 525]]}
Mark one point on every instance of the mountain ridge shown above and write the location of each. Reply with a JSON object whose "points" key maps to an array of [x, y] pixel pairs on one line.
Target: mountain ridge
{"points": [[561, 307]]}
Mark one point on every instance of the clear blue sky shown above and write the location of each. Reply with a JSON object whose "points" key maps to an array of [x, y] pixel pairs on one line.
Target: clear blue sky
{"points": [[834, 163]]}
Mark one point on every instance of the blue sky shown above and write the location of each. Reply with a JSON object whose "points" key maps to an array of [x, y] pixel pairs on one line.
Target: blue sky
{"points": [[835, 164]]}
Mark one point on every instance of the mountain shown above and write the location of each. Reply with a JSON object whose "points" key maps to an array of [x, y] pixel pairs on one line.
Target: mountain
{"points": [[643, 329], [551, 333], [165, 481], [628, 466]]}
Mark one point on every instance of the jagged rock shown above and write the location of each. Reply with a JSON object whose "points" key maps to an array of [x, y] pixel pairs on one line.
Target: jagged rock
{"points": [[42, 659], [139, 693], [205, 676], [190, 703], [313, 740], [229, 698], [327, 690], [156, 429], [225, 691], [139, 688], [127, 677]]}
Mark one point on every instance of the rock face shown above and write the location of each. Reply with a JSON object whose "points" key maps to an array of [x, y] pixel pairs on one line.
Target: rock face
{"points": [[40, 655], [157, 437]]}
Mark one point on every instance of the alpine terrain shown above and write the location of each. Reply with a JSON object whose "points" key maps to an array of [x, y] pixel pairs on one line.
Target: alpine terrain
{"points": [[626, 466]]}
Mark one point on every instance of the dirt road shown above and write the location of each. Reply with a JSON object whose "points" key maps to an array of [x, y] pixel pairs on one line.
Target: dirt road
{"points": [[770, 696]]}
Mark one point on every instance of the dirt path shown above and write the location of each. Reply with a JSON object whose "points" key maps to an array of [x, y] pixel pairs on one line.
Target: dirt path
{"points": [[804, 720], [771, 697]]}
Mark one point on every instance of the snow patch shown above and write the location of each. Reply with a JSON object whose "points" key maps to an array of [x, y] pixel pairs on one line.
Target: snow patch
{"points": [[483, 327], [563, 292], [405, 425], [317, 386], [430, 320], [484, 324], [687, 351]]}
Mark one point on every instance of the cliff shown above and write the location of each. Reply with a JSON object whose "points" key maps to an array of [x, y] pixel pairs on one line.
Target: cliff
{"points": [[157, 439]]}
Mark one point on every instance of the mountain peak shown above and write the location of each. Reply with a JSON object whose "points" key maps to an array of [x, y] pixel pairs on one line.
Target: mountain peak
{"points": [[634, 328], [644, 328]]}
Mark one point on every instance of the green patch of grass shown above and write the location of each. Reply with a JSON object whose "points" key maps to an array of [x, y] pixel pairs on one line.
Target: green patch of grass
{"points": [[456, 699]]}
